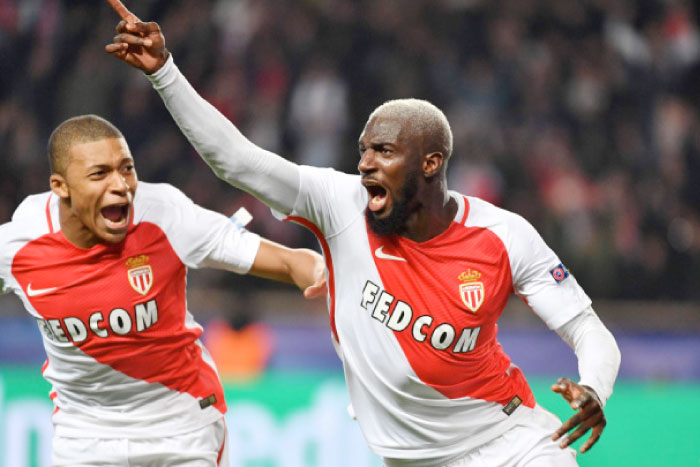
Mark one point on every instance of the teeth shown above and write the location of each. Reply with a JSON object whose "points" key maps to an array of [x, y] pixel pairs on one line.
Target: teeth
{"points": [[113, 224], [376, 203]]}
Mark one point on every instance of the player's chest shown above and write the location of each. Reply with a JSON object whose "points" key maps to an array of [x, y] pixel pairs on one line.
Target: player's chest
{"points": [[62, 281], [463, 278]]}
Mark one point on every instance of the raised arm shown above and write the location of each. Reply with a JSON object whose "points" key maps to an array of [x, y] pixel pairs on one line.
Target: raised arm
{"points": [[234, 158]]}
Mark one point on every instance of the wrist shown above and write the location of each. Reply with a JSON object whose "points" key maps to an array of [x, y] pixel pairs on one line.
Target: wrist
{"points": [[593, 394], [161, 61]]}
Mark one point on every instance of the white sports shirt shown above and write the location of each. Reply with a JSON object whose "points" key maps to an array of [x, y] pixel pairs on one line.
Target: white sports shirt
{"points": [[415, 322], [123, 352]]}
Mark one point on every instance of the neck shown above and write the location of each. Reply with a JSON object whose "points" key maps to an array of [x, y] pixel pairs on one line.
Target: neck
{"points": [[431, 218], [73, 229]]}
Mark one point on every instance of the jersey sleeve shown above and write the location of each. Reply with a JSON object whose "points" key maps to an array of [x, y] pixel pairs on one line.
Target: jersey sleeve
{"points": [[233, 157], [328, 199], [13, 235], [4, 266], [540, 278], [30, 207], [200, 237], [29, 221]]}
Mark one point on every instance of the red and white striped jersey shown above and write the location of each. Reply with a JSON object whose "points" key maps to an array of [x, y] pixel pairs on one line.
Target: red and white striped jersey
{"points": [[416, 322], [124, 355]]}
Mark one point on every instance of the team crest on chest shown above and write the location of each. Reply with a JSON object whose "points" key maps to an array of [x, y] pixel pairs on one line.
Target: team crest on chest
{"points": [[471, 290], [140, 274]]}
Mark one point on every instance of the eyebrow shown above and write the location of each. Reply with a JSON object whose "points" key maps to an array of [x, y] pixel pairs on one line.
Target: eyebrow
{"points": [[376, 144], [125, 160]]}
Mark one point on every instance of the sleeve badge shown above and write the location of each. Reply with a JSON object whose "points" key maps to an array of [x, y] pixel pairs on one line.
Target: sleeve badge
{"points": [[559, 273]]}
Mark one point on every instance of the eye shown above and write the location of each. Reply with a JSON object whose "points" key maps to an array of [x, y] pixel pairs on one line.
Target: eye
{"points": [[382, 148], [97, 173], [128, 168]]}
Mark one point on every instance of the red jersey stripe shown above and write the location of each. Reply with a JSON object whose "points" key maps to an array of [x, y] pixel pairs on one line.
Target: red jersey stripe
{"points": [[48, 213], [457, 284], [463, 221], [223, 445], [89, 302], [329, 264]]}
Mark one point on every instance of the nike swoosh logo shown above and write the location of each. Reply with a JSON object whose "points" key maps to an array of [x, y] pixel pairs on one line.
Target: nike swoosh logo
{"points": [[379, 253], [34, 292]]}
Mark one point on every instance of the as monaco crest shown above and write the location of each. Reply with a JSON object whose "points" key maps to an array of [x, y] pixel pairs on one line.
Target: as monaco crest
{"points": [[140, 275], [471, 291]]}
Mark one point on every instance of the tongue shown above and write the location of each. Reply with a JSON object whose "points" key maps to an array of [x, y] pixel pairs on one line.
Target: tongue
{"points": [[113, 213], [376, 203]]}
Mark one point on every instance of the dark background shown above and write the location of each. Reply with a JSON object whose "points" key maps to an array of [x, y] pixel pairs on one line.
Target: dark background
{"points": [[582, 116]]}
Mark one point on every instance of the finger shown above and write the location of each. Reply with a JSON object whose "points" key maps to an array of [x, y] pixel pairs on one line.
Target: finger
{"points": [[573, 436], [564, 381], [143, 28], [586, 425], [125, 56], [132, 40], [121, 26], [595, 435], [311, 292], [315, 291], [567, 425], [561, 385], [123, 11], [113, 48]]}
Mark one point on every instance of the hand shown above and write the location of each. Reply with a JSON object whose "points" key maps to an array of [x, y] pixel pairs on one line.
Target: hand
{"points": [[319, 289], [589, 416], [141, 45]]}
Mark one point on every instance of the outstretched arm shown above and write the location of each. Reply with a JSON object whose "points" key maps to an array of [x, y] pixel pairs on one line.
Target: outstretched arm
{"points": [[302, 267], [233, 157], [598, 362]]}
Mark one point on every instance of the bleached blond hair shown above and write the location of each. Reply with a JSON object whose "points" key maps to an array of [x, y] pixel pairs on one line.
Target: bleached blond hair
{"points": [[425, 120]]}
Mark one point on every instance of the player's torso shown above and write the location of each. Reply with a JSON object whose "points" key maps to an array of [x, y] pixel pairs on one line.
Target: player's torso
{"points": [[417, 326], [110, 301], [123, 351]]}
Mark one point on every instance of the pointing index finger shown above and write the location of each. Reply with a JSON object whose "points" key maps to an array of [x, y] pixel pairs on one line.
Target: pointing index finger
{"points": [[123, 11]]}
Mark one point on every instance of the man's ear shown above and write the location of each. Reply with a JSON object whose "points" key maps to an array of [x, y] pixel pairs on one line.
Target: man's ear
{"points": [[432, 164], [59, 186]]}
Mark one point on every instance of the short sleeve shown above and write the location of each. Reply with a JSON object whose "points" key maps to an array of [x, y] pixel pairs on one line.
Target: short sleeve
{"points": [[329, 199], [3, 268], [541, 279], [3, 290], [200, 237], [9, 244]]}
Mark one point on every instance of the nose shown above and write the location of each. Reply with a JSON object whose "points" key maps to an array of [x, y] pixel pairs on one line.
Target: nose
{"points": [[366, 163], [118, 184]]}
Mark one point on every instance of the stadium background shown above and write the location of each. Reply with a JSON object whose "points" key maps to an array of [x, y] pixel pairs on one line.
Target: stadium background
{"points": [[583, 116]]}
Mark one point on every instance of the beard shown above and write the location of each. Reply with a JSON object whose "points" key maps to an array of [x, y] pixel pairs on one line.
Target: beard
{"points": [[395, 222]]}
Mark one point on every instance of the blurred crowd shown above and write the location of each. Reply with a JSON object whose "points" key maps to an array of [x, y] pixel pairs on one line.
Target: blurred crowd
{"points": [[582, 116]]}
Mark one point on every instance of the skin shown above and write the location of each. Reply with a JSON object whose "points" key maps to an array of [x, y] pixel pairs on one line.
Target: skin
{"points": [[99, 174], [589, 415], [390, 151]]}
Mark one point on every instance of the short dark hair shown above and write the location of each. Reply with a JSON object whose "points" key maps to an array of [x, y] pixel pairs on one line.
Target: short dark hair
{"points": [[80, 129]]}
